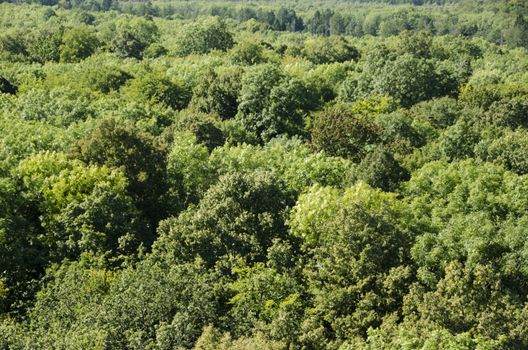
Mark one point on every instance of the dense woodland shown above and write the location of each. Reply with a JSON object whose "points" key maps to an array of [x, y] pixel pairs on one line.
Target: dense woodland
{"points": [[273, 175]]}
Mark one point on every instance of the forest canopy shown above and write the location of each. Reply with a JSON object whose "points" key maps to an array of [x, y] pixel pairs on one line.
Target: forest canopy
{"points": [[263, 175]]}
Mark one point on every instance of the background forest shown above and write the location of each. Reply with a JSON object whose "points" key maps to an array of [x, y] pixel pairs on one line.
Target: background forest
{"points": [[263, 175]]}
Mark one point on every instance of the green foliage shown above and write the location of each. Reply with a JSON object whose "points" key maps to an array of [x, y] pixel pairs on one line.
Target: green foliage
{"points": [[77, 44], [508, 113], [380, 169], [456, 142], [478, 228], [143, 307], [290, 160], [439, 113], [516, 34], [359, 243], [79, 290], [329, 50], [203, 36], [205, 128], [225, 175], [418, 44], [262, 294], [217, 93], [400, 134], [103, 77], [132, 37], [17, 240], [44, 44], [188, 168], [340, 131], [142, 161], [505, 148], [148, 306], [247, 53], [153, 89], [81, 208], [407, 79], [238, 217], [212, 339], [13, 45], [155, 50], [271, 104], [21, 138], [57, 106]]}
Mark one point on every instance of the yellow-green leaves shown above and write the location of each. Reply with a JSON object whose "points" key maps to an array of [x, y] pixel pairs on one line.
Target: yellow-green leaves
{"points": [[321, 210], [82, 208], [59, 180], [189, 160]]}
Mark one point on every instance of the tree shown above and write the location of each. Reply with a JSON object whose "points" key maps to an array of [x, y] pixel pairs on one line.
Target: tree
{"points": [[203, 36], [407, 79], [173, 180], [131, 38], [264, 295], [359, 242], [507, 112], [211, 339], [472, 242], [152, 304], [44, 44], [155, 50], [18, 241], [77, 44], [257, 85], [247, 53], [203, 126], [86, 18], [287, 19], [395, 23], [440, 112], [125, 44], [22, 138], [188, 169], [272, 105], [506, 148], [61, 106], [237, 218], [217, 92], [379, 169], [418, 44], [154, 88], [292, 161], [456, 142], [103, 77], [161, 304], [400, 134], [341, 132], [516, 35], [475, 213], [289, 103], [82, 208], [123, 146], [329, 50], [337, 25], [13, 46]]}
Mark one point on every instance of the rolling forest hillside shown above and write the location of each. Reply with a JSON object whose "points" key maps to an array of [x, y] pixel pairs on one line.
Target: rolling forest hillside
{"points": [[275, 175]]}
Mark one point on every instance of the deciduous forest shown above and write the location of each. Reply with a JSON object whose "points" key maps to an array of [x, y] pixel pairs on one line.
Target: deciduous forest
{"points": [[275, 175]]}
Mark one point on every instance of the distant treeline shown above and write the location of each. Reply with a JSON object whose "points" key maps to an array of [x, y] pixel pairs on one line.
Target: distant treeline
{"points": [[503, 22]]}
